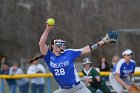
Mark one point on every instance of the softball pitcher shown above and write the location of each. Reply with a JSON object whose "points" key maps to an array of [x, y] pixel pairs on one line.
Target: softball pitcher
{"points": [[123, 73], [61, 61]]}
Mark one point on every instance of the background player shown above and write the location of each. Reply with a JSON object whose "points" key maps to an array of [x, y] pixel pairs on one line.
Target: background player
{"points": [[61, 61], [123, 73], [92, 78]]}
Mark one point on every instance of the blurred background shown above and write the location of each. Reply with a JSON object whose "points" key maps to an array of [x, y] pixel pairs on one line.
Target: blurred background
{"points": [[79, 22]]}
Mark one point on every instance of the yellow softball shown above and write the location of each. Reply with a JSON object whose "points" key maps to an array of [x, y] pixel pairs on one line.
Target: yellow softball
{"points": [[51, 22]]}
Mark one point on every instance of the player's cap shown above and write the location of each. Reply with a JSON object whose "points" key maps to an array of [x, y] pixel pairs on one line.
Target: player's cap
{"points": [[87, 61], [127, 52]]}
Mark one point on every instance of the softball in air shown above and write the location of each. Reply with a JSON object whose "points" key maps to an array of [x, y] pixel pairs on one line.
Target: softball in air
{"points": [[51, 22]]}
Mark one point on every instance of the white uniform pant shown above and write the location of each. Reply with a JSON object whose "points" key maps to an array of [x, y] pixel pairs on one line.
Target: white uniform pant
{"points": [[116, 85], [80, 88]]}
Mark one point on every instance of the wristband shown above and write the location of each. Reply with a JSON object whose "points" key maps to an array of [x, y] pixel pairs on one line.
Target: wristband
{"points": [[93, 47]]}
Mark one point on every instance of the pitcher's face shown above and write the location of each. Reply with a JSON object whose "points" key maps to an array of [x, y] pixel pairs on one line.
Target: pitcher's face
{"points": [[59, 45]]}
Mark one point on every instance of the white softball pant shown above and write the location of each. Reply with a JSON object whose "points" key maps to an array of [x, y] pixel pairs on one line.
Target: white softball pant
{"points": [[116, 85], [80, 88]]}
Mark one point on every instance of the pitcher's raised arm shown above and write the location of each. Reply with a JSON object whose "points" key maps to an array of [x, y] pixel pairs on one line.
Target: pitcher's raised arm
{"points": [[42, 42]]}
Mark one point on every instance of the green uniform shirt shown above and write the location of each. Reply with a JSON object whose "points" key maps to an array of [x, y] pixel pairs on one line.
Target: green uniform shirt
{"points": [[92, 74]]}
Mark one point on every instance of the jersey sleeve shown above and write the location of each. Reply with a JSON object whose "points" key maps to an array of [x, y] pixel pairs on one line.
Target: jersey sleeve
{"points": [[47, 56], [118, 67], [11, 72], [75, 52], [42, 68], [19, 71], [134, 67], [30, 70], [83, 72], [94, 73]]}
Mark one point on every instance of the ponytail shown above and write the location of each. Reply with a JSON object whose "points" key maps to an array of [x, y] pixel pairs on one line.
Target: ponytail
{"points": [[36, 58]]}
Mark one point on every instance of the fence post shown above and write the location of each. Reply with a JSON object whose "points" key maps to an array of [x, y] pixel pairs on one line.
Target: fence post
{"points": [[2, 86], [49, 85]]}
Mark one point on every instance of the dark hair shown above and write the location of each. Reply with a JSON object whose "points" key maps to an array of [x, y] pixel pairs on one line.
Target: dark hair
{"points": [[35, 58], [52, 43], [6, 64], [107, 67], [104, 58]]}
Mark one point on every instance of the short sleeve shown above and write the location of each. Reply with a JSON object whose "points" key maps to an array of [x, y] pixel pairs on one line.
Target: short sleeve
{"points": [[75, 52], [19, 71], [118, 67], [134, 67], [47, 56], [95, 73]]}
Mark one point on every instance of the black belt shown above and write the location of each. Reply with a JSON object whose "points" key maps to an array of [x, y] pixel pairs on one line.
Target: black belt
{"points": [[71, 86]]}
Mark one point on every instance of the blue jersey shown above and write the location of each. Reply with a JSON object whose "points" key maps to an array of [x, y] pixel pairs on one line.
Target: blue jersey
{"points": [[123, 68], [9, 81], [62, 67]]}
